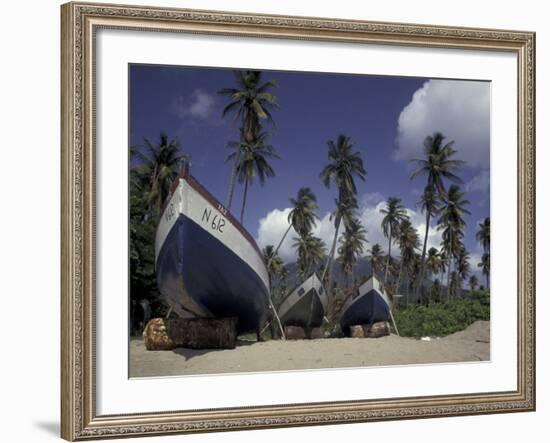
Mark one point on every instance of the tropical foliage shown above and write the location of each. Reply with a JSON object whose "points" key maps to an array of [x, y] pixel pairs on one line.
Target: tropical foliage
{"points": [[352, 247], [483, 235], [440, 319], [394, 214], [452, 224], [250, 101], [251, 159], [409, 242], [344, 166], [311, 251], [302, 216], [154, 167], [376, 257]]}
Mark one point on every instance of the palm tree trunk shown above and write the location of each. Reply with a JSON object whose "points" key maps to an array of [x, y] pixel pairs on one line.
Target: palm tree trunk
{"points": [[449, 267], [399, 281], [330, 261], [232, 184], [388, 259], [282, 240], [487, 280], [449, 281], [421, 281], [244, 200]]}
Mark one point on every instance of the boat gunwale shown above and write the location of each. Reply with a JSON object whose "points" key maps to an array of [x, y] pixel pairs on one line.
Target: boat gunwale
{"points": [[198, 187], [300, 284], [353, 300]]}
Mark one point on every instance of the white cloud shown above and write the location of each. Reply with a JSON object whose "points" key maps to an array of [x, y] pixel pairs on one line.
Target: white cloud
{"points": [[199, 105], [273, 226], [458, 109]]}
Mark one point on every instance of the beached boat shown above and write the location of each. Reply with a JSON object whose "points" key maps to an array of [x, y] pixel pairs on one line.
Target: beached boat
{"points": [[369, 305], [305, 305], [207, 264]]}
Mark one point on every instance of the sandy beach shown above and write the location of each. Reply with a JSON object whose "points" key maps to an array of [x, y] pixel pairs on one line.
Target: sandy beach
{"points": [[472, 344]]}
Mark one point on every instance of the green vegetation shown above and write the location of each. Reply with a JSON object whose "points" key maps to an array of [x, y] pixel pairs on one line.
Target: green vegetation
{"points": [[151, 176], [343, 167], [250, 102], [440, 319], [352, 247], [394, 214]]}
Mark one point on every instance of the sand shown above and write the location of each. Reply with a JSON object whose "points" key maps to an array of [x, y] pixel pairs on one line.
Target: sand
{"points": [[472, 344]]}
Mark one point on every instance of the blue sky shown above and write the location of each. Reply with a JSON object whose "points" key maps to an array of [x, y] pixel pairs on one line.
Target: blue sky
{"points": [[387, 119]]}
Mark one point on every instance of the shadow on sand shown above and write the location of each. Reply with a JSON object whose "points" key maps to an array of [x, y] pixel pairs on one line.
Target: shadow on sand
{"points": [[189, 353]]}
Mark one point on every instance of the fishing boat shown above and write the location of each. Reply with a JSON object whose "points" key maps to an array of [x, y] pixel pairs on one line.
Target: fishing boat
{"points": [[370, 304], [207, 264], [304, 306]]}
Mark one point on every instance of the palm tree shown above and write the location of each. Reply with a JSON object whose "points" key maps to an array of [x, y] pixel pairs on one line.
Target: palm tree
{"points": [[253, 160], [311, 251], [463, 266], [394, 214], [454, 282], [436, 290], [344, 165], [273, 262], [160, 163], [438, 164], [473, 282], [275, 266], [408, 241], [413, 271], [483, 235], [428, 205], [353, 246], [485, 265], [302, 216], [376, 257], [434, 262], [452, 223], [250, 101], [393, 271]]}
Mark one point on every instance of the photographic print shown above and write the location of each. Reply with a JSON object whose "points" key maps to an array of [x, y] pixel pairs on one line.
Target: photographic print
{"points": [[305, 220]]}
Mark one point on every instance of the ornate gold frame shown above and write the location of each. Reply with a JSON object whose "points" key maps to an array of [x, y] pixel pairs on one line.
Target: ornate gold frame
{"points": [[79, 23]]}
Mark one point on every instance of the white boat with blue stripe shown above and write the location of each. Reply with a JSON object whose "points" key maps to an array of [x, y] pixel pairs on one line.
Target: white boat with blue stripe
{"points": [[370, 304], [207, 264]]}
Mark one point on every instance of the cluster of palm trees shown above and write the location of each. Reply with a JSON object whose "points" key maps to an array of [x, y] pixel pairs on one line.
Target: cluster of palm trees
{"points": [[252, 100], [449, 206], [157, 167]]}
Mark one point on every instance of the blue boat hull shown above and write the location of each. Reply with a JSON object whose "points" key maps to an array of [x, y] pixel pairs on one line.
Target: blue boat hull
{"points": [[209, 279], [369, 309]]}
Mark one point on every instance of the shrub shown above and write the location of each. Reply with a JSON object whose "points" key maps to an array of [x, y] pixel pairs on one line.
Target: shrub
{"points": [[442, 319]]}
